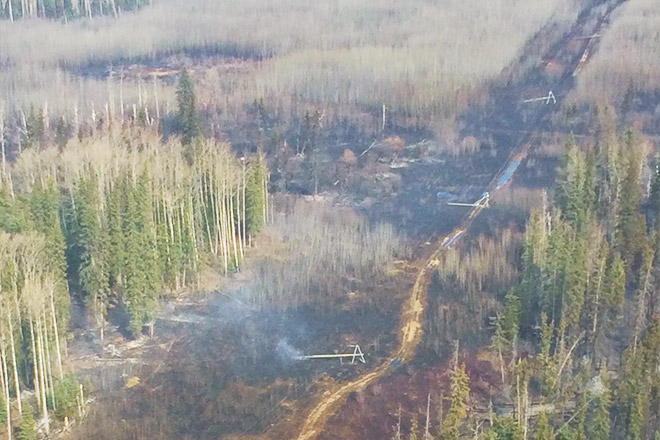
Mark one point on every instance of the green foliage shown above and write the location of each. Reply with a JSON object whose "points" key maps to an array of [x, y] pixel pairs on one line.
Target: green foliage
{"points": [[63, 400], [460, 393], [35, 128], [414, 428], [309, 148], [141, 264], [511, 318], [615, 284], [116, 251], [27, 426], [187, 108], [88, 244], [505, 428], [631, 231], [13, 218], [637, 418], [598, 426], [3, 410], [543, 430], [575, 186], [255, 194]]}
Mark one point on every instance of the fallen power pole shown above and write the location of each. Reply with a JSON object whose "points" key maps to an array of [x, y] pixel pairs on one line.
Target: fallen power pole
{"points": [[547, 99], [356, 355], [482, 202]]}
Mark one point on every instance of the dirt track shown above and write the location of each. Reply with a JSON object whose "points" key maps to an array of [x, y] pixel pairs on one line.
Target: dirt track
{"points": [[412, 315]]}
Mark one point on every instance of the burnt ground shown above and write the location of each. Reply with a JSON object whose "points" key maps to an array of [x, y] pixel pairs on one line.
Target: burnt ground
{"points": [[510, 124], [217, 368], [374, 411]]}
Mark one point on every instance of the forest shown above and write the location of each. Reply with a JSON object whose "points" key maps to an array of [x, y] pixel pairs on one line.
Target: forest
{"points": [[206, 206], [111, 222]]}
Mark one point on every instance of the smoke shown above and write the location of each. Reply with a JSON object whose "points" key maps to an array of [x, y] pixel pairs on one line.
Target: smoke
{"points": [[287, 352]]}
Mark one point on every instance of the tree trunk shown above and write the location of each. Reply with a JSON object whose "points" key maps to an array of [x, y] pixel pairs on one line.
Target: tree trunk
{"points": [[4, 385], [60, 370], [43, 380], [12, 346]]}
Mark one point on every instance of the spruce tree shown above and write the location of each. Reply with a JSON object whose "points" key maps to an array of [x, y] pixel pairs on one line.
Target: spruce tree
{"points": [[414, 428], [142, 270], [631, 228], [505, 428], [511, 318], [599, 423], [637, 418], [89, 247], [543, 430], [615, 284], [255, 194], [27, 427], [187, 111], [460, 393], [574, 186], [116, 256], [654, 198]]}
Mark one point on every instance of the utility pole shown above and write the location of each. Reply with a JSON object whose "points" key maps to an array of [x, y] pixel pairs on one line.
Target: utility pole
{"points": [[427, 434]]}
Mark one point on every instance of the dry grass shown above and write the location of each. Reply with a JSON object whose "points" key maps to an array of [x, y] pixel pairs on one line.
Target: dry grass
{"points": [[629, 53], [324, 252], [417, 57]]}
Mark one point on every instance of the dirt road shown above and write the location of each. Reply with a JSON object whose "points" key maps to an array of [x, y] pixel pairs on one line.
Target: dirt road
{"points": [[412, 315]]}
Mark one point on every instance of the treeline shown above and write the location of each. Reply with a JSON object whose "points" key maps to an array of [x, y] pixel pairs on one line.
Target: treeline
{"points": [[348, 60], [67, 9], [114, 220]]}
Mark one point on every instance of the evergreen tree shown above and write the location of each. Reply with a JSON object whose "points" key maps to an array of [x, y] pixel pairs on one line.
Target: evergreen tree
{"points": [[255, 194], [533, 257], [505, 428], [637, 418], [308, 147], [543, 430], [414, 428], [575, 186], [615, 284], [599, 423], [142, 269], [88, 248], [460, 393], [511, 318], [62, 133], [35, 128], [654, 198], [631, 230], [44, 205], [116, 255], [187, 111], [27, 427], [545, 366]]}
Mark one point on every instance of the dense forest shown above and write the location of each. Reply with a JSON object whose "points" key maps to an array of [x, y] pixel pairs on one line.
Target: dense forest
{"points": [[111, 222]]}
